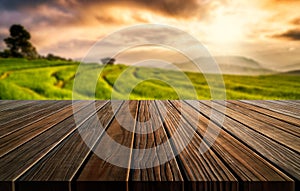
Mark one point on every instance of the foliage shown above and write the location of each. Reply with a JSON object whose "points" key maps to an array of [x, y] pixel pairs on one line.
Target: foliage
{"points": [[43, 79], [108, 61], [53, 57], [18, 44]]}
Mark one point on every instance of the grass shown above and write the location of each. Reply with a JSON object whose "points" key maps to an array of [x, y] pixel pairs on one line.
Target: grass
{"points": [[40, 79]]}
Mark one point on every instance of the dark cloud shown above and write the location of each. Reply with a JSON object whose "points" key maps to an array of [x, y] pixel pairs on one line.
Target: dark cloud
{"points": [[39, 17], [16, 4], [177, 8], [61, 13], [37, 14], [296, 21], [293, 34], [185, 8], [106, 19]]}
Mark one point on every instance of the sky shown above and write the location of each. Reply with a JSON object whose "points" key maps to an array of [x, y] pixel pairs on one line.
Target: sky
{"points": [[265, 30]]}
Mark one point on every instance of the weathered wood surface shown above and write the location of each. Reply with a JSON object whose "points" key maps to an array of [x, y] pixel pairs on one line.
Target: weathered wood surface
{"points": [[257, 146]]}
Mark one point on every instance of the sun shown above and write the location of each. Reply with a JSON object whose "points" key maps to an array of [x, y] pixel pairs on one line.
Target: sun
{"points": [[226, 28]]}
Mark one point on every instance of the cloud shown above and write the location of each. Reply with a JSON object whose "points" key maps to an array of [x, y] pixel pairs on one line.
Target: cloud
{"points": [[78, 47], [278, 2], [17, 5], [283, 1], [220, 24], [107, 19], [293, 34], [45, 19], [174, 8], [37, 14], [296, 21]]}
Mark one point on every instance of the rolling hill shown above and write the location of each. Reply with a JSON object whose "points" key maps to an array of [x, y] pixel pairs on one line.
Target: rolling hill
{"points": [[291, 67], [22, 79], [236, 65]]}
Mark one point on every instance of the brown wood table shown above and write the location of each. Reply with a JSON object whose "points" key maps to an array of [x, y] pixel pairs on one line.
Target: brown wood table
{"points": [[43, 147]]}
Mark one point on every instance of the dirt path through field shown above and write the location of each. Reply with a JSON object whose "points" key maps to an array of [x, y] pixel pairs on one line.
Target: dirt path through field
{"points": [[5, 75]]}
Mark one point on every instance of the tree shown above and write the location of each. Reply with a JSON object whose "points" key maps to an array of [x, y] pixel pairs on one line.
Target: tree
{"points": [[54, 57], [5, 54], [18, 43], [108, 61]]}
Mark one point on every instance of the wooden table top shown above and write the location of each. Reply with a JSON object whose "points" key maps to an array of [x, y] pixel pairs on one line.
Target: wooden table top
{"points": [[43, 147]]}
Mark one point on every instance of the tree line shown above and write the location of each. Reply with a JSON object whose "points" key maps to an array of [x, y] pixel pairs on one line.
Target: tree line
{"points": [[18, 45]]}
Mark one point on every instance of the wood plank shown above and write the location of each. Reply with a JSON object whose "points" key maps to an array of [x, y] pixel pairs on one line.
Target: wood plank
{"points": [[268, 112], [24, 134], [274, 107], [22, 121], [97, 169], [283, 106], [287, 105], [257, 148], [7, 116], [197, 168], [245, 163], [168, 171], [13, 121], [13, 105], [63, 163], [280, 156], [276, 134], [285, 126], [18, 161], [290, 103]]}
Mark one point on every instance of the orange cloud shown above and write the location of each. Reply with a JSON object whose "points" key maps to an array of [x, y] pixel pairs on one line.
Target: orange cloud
{"points": [[68, 27], [293, 34]]}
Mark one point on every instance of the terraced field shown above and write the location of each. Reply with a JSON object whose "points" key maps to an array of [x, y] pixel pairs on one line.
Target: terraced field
{"points": [[21, 79]]}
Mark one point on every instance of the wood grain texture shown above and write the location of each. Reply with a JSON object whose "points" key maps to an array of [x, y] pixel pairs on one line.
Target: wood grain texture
{"points": [[62, 163], [278, 154], [18, 161], [268, 120], [32, 114], [266, 111], [7, 116], [280, 108], [196, 167], [97, 169], [24, 133], [256, 147], [273, 131], [246, 164], [14, 105], [290, 103], [143, 142]]}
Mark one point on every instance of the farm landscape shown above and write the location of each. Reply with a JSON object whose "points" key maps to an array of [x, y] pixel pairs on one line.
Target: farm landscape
{"points": [[22, 79]]}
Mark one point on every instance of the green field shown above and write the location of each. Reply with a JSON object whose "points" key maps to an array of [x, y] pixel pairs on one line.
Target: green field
{"points": [[21, 79]]}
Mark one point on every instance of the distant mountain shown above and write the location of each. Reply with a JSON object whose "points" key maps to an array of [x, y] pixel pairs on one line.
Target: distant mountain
{"points": [[237, 65], [292, 73], [292, 67]]}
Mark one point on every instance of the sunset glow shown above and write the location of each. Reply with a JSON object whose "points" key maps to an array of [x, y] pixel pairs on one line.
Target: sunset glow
{"points": [[266, 30]]}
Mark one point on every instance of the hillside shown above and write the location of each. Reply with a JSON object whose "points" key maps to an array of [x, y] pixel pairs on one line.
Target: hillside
{"points": [[25, 80], [293, 73], [290, 68], [236, 65]]}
